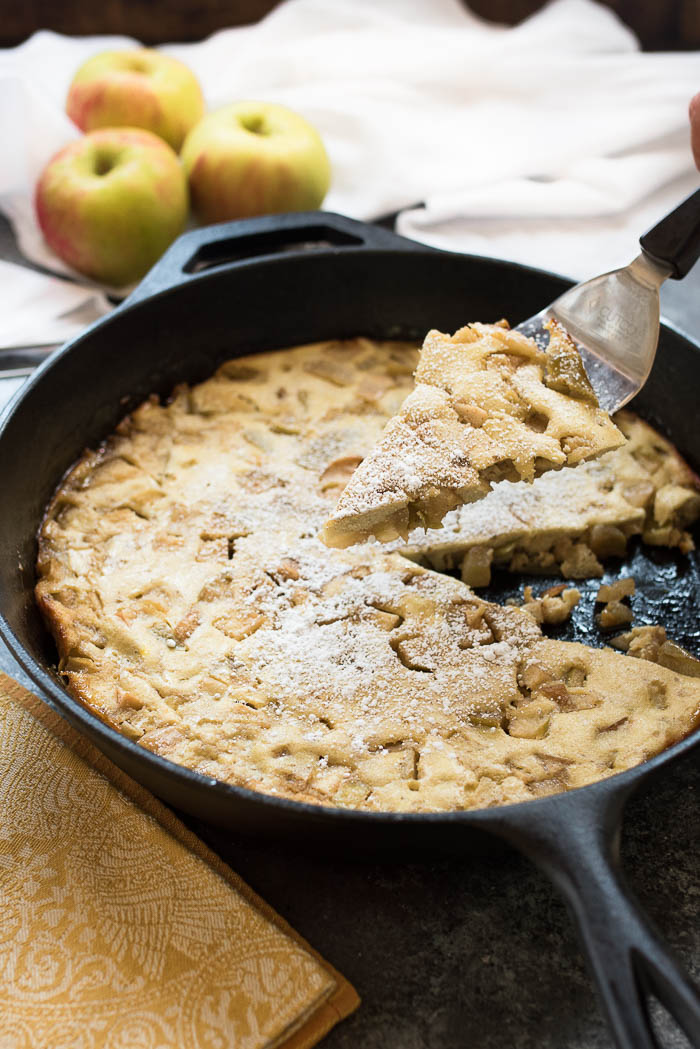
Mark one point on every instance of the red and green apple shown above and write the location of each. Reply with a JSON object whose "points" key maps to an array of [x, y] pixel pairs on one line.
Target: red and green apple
{"points": [[254, 158], [137, 88], [110, 203]]}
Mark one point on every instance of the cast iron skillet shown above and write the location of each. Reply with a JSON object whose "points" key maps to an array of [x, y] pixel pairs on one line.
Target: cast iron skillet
{"points": [[273, 282]]}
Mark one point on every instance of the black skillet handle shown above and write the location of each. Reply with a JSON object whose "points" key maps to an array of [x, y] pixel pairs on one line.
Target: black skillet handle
{"points": [[576, 842], [233, 244], [675, 241]]}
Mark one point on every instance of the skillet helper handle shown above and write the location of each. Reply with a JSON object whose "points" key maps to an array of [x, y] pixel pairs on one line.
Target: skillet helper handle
{"points": [[243, 242], [674, 243], [577, 846]]}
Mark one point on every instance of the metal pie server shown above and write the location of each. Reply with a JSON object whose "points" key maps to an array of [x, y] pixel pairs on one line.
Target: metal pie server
{"points": [[614, 318]]}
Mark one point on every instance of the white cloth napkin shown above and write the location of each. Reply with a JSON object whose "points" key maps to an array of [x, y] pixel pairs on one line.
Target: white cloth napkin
{"points": [[556, 142], [41, 306]]}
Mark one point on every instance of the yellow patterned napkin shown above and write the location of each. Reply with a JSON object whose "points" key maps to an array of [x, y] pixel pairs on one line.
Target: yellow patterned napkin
{"points": [[119, 929]]}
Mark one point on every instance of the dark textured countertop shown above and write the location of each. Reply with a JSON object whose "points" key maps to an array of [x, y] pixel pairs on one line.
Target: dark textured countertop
{"points": [[474, 952]]}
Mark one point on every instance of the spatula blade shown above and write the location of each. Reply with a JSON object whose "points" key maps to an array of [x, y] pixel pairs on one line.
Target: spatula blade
{"points": [[614, 322]]}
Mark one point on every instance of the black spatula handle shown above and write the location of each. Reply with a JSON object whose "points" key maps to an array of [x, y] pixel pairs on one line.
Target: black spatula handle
{"points": [[675, 241]]}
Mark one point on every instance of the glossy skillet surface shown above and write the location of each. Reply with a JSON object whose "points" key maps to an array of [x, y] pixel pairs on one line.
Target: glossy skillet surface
{"points": [[274, 282]]}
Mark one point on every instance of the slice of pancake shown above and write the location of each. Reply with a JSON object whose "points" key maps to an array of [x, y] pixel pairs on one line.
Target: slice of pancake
{"points": [[570, 522], [488, 405]]}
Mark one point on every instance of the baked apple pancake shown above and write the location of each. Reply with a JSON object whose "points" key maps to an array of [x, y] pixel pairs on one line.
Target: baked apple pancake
{"points": [[196, 609]]}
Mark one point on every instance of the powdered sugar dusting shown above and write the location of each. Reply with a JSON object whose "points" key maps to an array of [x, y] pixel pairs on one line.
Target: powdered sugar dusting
{"points": [[207, 621], [480, 409]]}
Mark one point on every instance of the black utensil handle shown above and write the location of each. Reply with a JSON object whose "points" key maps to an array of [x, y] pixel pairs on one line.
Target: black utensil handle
{"points": [[245, 241], [675, 241], [576, 842]]}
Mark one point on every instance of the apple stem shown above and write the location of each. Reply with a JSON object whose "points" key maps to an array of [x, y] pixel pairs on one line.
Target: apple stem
{"points": [[103, 165], [254, 124]]}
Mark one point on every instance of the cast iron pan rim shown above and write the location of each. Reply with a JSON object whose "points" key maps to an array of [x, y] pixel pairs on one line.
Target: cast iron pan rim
{"points": [[136, 300], [621, 782]]}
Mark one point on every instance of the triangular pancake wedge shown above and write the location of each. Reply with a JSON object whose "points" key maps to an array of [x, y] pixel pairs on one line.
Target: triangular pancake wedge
{"points": [[488, 405]]}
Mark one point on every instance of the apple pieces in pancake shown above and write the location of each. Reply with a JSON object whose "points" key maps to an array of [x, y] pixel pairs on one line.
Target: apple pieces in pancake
{"points": [[351, 678], [488, 405], [195, 609], [570, 522]]}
